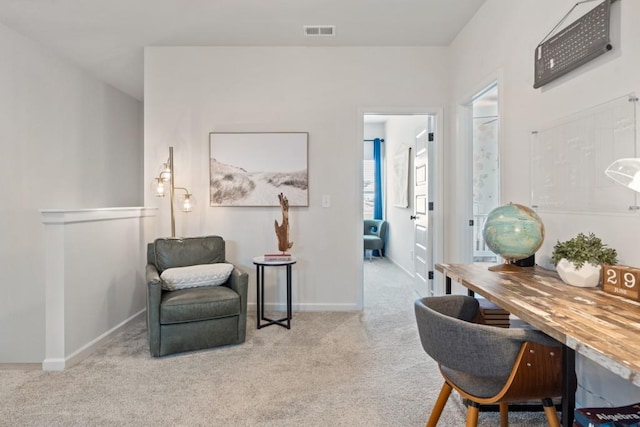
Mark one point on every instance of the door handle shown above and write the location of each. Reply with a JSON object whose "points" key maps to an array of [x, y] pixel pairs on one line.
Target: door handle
{"points": [[413, 217]]}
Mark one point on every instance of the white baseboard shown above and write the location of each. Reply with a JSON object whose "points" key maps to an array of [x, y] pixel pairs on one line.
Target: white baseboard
{"points": [[53, 364], [401, 267], [86, 350]]}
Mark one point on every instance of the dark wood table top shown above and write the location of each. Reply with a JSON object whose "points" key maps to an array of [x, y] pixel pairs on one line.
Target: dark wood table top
{"points": [[601, 326]]}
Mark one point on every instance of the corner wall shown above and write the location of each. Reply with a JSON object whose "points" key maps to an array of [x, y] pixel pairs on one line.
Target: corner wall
{"points": [[94, 280], [69, 141]]}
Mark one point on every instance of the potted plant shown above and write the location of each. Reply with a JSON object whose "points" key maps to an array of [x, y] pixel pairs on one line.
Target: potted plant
{"points": [[579, 260]]}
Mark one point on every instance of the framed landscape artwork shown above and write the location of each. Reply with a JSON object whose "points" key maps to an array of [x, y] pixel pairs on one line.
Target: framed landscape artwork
{"points": [[252, 168]]}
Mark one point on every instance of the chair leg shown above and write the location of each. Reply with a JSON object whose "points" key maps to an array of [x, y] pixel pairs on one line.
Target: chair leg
{"points": [[445, 391], [550, 412], [504, 414], [473, 408]]}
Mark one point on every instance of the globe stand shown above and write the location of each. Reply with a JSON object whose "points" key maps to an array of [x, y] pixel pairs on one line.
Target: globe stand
{"points": [[506, 267]]}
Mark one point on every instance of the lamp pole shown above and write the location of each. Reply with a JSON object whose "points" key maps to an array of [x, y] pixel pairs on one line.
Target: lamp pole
{"points": [[161, 191], [171, 192]]}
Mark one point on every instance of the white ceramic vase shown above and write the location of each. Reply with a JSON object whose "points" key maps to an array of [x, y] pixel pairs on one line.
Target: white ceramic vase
{"points": [[587, 276]]}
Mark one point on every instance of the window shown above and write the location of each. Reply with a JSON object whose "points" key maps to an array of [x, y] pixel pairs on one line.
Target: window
{"points": [[369, 185], [373, 179]]}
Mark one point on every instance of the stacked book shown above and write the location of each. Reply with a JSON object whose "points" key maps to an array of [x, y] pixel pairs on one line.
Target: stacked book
{"points": [[621, 416], [278, 257], [494, 315]]}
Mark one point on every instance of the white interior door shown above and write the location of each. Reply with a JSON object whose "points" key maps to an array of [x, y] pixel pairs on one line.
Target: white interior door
{"points": [[423, 238]]}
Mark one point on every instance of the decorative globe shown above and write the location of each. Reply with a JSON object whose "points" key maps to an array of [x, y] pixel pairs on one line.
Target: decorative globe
{"points": [[513, 231]]}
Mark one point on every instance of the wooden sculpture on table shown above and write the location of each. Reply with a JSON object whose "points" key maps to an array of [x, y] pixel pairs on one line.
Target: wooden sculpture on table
{"points": [[282, 230]]}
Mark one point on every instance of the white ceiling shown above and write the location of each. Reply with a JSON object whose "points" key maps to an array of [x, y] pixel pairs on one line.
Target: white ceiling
{"points": [[107, 37]]}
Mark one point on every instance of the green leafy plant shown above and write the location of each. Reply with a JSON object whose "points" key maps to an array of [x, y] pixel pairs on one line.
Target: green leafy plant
{"points": [[583, 248]]}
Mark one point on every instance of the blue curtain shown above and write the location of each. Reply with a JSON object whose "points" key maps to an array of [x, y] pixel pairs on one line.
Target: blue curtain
{"points": [[377, 159]]}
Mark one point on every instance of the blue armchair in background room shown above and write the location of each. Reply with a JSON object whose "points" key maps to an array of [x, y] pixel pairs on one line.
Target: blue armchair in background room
{"points": [[375, 234]]}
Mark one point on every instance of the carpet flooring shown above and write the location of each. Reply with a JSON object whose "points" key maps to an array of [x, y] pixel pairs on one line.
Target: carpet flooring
{"points": [[331, 369]]}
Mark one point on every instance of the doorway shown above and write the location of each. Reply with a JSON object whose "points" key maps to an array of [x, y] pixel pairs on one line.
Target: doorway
{"points": [[413, 245], [485, 166]]}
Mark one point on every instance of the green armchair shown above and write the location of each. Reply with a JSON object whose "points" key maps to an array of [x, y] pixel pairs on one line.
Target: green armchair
{"points": [[375, 233], [193, 318]]}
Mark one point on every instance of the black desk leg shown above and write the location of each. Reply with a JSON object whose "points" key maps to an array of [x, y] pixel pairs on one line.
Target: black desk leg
{"points": [[447, 288], [569, 385]]}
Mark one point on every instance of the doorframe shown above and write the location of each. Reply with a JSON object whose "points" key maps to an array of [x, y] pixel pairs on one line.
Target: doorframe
{"points": [[439, 186], [463, 251]]}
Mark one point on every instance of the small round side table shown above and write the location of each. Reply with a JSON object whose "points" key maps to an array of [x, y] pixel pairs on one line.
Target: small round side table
{"points": [[261, 263]]}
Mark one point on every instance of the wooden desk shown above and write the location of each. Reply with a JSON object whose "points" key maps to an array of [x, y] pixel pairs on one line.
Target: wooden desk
{"points": [[603, 327]]}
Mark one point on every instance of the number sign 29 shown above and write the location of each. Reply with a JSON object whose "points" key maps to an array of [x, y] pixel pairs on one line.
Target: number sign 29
{"points": [[621, 280]]}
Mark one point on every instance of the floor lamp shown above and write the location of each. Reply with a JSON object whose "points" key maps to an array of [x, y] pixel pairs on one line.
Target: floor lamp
{"points": [[167, 175]]}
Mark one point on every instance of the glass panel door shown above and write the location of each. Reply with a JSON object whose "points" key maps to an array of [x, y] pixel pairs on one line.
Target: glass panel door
{"points": [[486, 166]]}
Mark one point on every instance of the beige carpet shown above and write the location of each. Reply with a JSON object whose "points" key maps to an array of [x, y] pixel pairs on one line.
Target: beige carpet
{"points": [[330, 369]]}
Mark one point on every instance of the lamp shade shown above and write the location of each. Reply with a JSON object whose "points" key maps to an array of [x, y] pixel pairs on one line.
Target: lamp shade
{"points": [[625, 172], [186, 202], [158, 187]]}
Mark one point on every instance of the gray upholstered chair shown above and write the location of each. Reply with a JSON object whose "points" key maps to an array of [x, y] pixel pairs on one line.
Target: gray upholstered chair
{"points": [[193, 318], [487, 364], [375, 233]]}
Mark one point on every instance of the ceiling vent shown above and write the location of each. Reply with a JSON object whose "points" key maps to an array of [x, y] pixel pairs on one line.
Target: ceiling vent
{"points": [[319, 30]]}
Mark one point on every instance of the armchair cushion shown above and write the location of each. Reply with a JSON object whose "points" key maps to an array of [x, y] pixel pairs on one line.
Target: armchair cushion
{"points": [[195, 276], [193, 305], [172, 252]]}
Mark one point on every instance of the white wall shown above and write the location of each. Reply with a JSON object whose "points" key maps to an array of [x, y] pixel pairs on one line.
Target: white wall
{"points": [[191, 91], [68, 141], [500, 41]]}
